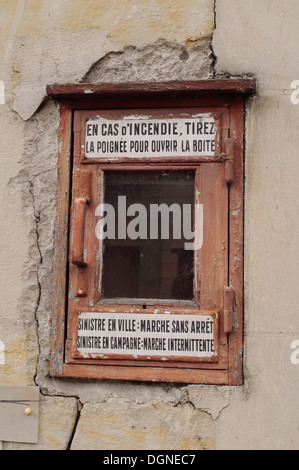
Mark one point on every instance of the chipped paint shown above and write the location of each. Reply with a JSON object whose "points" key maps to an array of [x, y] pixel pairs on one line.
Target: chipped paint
{"points": [[235, 212]]}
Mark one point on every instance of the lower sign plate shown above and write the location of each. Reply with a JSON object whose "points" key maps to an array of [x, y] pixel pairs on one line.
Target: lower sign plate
{"points": [[146, 336]]}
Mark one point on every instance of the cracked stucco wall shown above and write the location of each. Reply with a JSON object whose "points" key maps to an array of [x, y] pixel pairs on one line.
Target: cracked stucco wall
{"points": [[118, 41]]}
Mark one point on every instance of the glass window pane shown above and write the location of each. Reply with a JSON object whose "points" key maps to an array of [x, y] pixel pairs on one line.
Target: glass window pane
{"points": [[152, 211]]}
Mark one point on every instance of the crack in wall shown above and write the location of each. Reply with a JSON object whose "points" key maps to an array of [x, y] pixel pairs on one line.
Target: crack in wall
{"points": [[214, 57], [79, 409], [36, 216]]}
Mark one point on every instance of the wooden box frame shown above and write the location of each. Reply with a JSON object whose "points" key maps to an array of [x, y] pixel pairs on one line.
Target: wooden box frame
{"points": [[206, 93]]}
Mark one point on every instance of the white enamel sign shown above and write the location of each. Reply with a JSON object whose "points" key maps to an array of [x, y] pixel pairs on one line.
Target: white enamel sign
{"points": [[102, 334], [142, 136]]}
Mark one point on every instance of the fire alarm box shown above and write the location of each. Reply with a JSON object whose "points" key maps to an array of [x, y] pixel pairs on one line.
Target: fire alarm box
{"points": [[149, 232]]}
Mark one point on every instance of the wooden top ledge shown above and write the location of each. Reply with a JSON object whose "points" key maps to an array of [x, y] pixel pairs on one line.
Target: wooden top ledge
{"points": [[218, 86]]}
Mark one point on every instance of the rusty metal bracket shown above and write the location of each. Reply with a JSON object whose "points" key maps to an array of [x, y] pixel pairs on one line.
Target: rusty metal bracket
{"points": [[228, 308]]}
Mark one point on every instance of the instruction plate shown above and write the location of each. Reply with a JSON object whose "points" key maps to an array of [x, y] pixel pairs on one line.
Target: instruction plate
{"points": [[146, 336], [146, 136]]}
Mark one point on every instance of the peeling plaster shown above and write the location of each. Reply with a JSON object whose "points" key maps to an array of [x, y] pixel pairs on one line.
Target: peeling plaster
{"points": [[160, 61]]}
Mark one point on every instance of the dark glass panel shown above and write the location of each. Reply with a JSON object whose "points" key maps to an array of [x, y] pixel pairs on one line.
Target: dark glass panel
{"points": [[147, 258]]}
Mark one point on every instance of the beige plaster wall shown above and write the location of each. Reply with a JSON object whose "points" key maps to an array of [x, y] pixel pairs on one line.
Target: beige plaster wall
{"points": [[263, 39], [61, 41]]}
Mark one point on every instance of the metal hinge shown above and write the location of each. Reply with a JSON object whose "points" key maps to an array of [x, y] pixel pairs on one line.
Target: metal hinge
{"points": [[228, 309], [229, 149]]}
